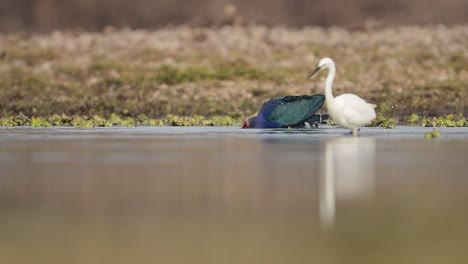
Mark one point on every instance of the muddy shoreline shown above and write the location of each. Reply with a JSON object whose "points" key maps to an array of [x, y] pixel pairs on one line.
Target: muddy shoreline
{"points": [[192, 75]]}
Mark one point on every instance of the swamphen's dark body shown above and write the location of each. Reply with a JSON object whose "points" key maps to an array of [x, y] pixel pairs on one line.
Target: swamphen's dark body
{"points": [[288, 111]]}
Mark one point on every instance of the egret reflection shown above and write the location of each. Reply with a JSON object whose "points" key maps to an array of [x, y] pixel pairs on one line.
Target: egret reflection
{"points": [[347, 173]]}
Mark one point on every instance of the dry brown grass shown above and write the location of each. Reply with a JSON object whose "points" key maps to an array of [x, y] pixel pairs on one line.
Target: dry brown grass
{"points": [[230, 70]]}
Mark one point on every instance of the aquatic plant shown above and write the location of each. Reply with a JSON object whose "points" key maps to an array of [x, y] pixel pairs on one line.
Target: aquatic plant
{"points": [[8, 122], [444, 121], [412, 119], [382, 121], [129, 122], [174, 120], [433, 134], [39, 122], [82, 122], [101, 122]]}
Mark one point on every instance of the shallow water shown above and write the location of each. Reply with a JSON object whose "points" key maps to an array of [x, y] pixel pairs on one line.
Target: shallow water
{"points": [[226, 195]]}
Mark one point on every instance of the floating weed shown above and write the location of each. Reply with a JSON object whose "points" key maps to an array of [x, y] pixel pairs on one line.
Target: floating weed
{"points": [[381, 121], [60, 120], [198, 120], [433, 134], [39, 122], [330, 122], [55, 120], [174, 120], [129, 122], [115, 119], [85, 124], [101, 122], [152, 122], [447, 121], [224, 121], [461, 121], [425, 122], [142, 118], [444, 122], [389, 123], [8, 121], [18, 120], [92, 122], [413, 119], [82, 122]]}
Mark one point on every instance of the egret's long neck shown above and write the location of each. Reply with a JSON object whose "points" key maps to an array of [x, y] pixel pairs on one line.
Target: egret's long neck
{"points": [[329, 83]]}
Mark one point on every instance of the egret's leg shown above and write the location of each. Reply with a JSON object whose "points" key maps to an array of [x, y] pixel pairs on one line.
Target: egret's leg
{"points": [[355, 130]]}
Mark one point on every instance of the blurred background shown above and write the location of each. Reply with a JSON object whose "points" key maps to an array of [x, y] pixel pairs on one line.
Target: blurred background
{"points": [[47, 15]]}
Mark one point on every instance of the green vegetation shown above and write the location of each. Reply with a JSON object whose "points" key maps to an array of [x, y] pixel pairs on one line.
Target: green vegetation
{"points": [[115, 120], [235, 70], [384, 122], [443, 121], [65, 79], [433, 134], [40, 122]]}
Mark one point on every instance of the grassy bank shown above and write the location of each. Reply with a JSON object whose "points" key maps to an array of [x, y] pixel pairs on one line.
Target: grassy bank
{"points": [[202, 76]]}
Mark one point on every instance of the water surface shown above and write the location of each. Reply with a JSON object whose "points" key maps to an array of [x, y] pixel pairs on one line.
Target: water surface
{"points": [[226, 195]]}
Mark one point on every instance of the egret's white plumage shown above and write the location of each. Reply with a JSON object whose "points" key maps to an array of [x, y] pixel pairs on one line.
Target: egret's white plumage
{"points": [[346, 110]]}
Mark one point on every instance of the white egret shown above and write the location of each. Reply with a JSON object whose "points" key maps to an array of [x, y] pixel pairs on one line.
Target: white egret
{"points": [[346, 110]]}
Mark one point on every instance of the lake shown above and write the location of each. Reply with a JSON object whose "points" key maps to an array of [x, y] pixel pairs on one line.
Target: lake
{"points": [[228, 195]]}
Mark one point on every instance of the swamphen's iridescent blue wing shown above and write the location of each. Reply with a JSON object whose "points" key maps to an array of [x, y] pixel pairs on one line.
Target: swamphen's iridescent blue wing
{"points": [[292, 110], [287, 111]]}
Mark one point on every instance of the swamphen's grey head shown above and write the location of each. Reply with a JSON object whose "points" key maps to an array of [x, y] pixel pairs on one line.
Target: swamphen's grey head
{"points": [[250, 123]]}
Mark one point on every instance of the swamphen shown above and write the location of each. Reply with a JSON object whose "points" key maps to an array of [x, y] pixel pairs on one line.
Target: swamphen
{"points": [[288, 111]]}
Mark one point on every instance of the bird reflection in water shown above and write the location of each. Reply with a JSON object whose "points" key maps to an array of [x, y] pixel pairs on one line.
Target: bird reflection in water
{"points": [[347, 172]]}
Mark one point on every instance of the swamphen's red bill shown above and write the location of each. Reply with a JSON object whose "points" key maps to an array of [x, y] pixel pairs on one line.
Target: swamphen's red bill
{"points": [[250, 123], [287, 111]]}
